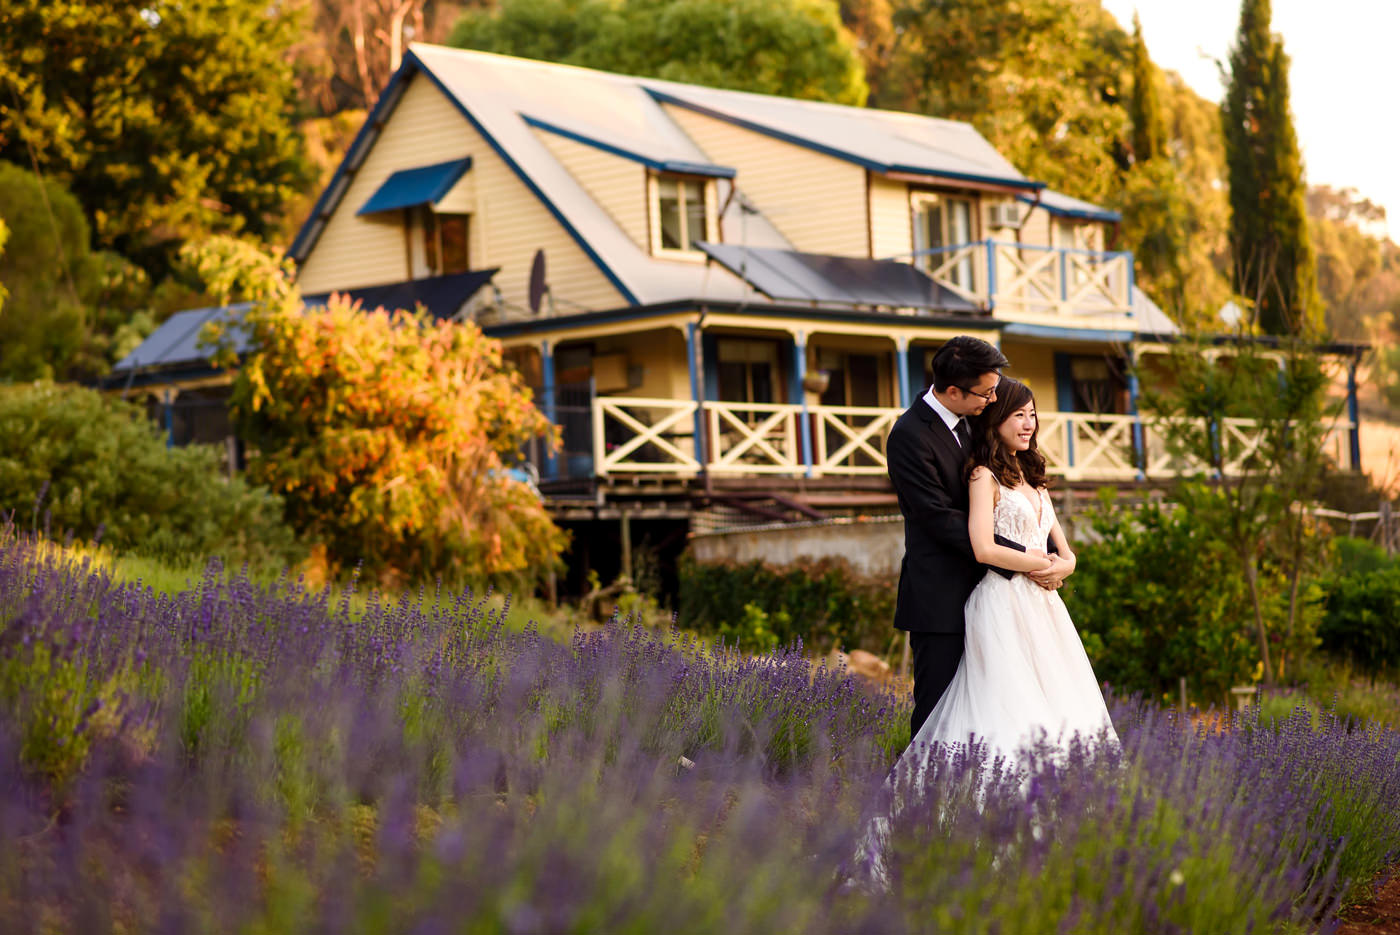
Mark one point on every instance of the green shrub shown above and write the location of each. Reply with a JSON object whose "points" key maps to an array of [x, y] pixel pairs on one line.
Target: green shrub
{"points": [[1362, 621], [78, 461], [824, 603], [1358, 556], [1156, 597]]}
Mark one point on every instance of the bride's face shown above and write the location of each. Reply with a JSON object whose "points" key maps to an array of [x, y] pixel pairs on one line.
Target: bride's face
{"points": [[1017, 430]]}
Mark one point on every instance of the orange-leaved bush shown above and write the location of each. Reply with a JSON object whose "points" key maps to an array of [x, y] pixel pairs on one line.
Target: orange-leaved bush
{"points": [[389, 434]]}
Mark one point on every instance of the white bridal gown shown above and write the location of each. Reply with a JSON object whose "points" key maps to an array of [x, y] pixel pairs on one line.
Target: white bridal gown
{"points": [[1024, 675], [1024, 678]]}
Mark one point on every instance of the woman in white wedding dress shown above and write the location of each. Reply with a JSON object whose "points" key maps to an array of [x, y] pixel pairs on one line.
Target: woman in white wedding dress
{"points": [[1024, 675]]}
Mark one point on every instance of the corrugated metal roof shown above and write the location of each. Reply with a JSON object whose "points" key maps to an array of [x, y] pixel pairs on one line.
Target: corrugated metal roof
{"points": [[635, 150], [177, 340], [1065, 206], [512, 101], [882, 140], [409, 188], [176, 343]]}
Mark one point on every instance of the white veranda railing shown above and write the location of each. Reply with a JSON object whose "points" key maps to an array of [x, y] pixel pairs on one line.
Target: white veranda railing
{"points": [[644, 435]]}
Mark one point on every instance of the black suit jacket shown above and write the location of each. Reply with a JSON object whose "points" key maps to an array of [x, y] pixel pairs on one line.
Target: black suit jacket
{"points": [[939, 569]]}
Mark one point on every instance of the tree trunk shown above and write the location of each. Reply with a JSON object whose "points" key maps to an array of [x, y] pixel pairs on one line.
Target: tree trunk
{"points": [[1251, 574], [362, 55]]}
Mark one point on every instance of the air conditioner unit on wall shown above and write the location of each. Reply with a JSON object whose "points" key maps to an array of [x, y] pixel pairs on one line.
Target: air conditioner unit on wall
{"points": [[1004, 214]]}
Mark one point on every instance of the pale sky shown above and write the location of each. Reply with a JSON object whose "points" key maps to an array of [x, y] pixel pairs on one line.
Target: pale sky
{"points": [[1344, 79]]}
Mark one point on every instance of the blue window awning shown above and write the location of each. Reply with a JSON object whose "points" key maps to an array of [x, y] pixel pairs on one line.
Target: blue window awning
{"points": [[408, 188]]}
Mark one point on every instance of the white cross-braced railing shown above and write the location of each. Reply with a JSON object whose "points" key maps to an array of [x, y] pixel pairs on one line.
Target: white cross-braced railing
{"points": [[643, 435]]}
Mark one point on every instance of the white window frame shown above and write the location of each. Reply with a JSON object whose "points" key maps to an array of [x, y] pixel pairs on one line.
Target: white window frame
{"points": [[918, 201], [707, 187]]}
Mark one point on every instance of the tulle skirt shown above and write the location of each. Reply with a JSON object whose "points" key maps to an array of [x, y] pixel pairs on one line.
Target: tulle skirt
{"points": [[1024, 676]]}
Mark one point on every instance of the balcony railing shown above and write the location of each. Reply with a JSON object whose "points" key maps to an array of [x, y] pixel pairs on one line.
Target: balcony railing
{"points": [[1029, 278], [633, 435]]}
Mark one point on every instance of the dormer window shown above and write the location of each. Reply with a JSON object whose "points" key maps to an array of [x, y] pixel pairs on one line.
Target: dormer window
{"points": [[682, 214]]}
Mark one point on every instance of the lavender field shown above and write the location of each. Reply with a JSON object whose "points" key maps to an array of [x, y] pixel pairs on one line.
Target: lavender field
{"points": [[252, 758]]}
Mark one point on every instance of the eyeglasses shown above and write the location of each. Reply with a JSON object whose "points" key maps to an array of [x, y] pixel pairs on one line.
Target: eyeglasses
{"points": [[987, 395]]}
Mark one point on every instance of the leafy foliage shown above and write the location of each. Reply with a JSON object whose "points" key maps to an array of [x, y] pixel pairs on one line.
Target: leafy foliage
{"points": [[1362, 623], [1158, 597], [85, 464], [825, 604], [1043, 81], [71, 312], [1358, 272], [1256, 420], [389, 433], [794, 48], [1274, 261], [1069, 98], [167, 119]]}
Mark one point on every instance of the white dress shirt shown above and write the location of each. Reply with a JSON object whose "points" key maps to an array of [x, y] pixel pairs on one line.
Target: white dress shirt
{"points": [[949, 417]]}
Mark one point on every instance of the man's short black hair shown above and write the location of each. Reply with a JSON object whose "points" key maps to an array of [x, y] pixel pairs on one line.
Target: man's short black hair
{"points": [[962, 361]]}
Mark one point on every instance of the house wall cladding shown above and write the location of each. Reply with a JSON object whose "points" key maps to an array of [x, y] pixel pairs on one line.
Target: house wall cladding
{"points": [[618, 185], [818, 202], [509, 224], [891, 221]]}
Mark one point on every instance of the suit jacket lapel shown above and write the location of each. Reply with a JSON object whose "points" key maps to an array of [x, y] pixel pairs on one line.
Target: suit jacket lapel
{"points": [[940, 431]]}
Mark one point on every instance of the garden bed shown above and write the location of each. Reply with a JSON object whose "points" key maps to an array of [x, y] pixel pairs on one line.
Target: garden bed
{"points": [[247, 756]]}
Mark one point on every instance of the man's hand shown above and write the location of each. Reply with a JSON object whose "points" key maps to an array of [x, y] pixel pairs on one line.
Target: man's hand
{"points": [[1052, 578]]}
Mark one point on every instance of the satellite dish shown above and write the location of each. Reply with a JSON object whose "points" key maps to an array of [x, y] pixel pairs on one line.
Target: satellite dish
{"points": [[538, 288]]}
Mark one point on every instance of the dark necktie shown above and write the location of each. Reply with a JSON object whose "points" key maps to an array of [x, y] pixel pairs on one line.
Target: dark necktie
{"points": [[964, 434]]}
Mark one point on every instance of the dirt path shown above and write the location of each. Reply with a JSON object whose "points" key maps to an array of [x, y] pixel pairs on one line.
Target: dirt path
{"points": [[1380, 916]]}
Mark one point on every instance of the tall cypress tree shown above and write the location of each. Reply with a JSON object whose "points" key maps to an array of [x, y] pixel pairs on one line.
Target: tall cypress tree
{"points": [[1273, 254], [1145, 106]]}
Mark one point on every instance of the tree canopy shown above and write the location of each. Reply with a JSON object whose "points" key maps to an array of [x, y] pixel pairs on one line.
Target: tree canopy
{"points": [[1274, 264], [168, 119], [71, 311], [795, 48], [388, 433]]}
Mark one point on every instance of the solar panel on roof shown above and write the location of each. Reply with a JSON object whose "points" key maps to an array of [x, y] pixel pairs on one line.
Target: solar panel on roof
{"points": [[408, 188], [814, 277]]}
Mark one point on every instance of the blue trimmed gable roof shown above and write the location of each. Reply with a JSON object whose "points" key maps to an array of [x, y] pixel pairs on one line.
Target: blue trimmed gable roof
{"points": [[409, 188], [635, 151], [513, 103], [880, 140]]}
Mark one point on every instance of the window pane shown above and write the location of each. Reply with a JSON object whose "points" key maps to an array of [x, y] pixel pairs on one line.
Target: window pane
{"points": [[670, 207], [762, 377], [453, 231], [733, 382], [960, 232], [959, 221], [928, 233], [430, 240], [694, 213]]}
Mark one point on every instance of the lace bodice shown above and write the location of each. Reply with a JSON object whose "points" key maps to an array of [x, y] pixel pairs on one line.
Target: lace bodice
{"points": [[1015, 516]]}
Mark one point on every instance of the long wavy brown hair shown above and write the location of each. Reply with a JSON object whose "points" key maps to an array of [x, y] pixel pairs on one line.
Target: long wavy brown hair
{"points": [[1007, 466]]}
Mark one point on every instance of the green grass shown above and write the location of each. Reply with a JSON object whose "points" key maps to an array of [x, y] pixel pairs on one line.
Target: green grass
{"points": [[1322, 684], [172, 579]]}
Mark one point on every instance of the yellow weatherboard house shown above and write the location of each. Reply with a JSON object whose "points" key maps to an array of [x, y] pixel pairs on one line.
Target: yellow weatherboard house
{"points": [[724, 299]]}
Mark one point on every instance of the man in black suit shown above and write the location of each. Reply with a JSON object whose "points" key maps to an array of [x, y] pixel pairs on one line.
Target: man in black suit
{"points": [[927, 451]]}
